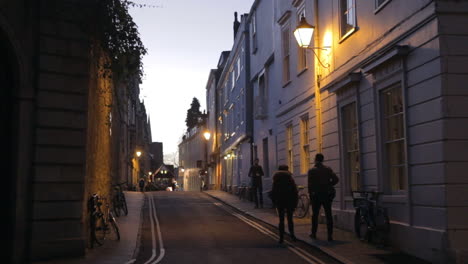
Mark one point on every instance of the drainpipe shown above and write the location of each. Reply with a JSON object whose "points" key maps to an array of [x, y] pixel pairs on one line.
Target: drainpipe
{"points": [[317, 76]]}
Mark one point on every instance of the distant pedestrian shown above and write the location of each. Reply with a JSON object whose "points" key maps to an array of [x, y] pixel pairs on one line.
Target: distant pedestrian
{"points": [[321, 182], [141, 184], [256, 174], [173, 184], [284, 195]]}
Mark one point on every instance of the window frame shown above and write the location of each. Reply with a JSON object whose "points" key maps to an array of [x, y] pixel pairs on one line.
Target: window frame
{"points": [[253, 24], [305, 144], [349, 32], [347, 173], [378, 7], [387, 178], [286, 53]]}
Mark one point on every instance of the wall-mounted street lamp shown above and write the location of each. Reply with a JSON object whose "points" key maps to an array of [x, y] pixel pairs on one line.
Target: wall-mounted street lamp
{"points": [[150, 173], [207, 135], [303, 34], [138, 153]]}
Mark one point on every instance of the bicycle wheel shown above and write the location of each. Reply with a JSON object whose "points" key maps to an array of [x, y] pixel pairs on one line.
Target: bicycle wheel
{"points": [[382, 227], [361, 226], [240, 193], [301, 208], [113, 229], [117, 205], [124, 204], [98, 228]]}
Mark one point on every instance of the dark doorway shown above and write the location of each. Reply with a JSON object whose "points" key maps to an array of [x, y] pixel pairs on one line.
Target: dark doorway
{"points": [[7, 86]]}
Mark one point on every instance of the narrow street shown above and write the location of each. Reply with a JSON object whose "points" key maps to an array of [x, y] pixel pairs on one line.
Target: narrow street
{"points": [[191, 227]]}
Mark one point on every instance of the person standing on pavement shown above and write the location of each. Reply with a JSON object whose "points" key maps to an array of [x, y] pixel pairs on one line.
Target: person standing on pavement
{"points": [[256, 174], [321, 182], [284, 195], [141, 184]]}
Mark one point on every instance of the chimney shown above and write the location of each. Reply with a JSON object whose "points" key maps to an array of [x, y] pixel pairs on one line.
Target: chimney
{"points": [[236, 24]]}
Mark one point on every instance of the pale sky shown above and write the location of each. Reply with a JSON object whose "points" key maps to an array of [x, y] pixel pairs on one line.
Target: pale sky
{"points": [[184, 39]]}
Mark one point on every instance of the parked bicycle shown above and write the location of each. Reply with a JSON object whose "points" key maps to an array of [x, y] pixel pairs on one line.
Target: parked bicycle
{"points": [[371, 221], [119, 202], [103, 224], [243, 192], [303, 203]]}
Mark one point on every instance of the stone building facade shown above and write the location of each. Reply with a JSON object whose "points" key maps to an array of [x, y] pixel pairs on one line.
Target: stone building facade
{"points": [[235, 104], [61, 127], [383, 98], [193, 154]]}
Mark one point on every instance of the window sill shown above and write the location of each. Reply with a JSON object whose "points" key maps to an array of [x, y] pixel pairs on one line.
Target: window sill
{"points": [[397, 198], [348, 34], [377, 9], [302, 71]]}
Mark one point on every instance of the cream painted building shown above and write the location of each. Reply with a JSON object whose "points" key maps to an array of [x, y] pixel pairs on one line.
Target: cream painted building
{"points": [[386, 103]]}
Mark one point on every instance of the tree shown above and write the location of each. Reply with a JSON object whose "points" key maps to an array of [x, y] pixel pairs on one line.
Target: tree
{"points": [[193, 114]]}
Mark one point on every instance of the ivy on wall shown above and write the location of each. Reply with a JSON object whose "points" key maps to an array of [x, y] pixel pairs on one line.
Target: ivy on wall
{"points": [[117, 35]]}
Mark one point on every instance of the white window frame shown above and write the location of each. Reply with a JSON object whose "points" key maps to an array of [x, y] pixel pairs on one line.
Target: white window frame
{"points": [[346, 151], [254, 32], [385, 142], [348, 11], [286, 53], [380, 6], [305, 148]]}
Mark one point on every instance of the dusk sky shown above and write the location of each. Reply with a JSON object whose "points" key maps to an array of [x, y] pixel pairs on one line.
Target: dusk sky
{"points": [[184, 39]]}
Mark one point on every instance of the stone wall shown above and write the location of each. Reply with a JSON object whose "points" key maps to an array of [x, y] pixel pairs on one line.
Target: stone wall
{"points": [[60, 133]]}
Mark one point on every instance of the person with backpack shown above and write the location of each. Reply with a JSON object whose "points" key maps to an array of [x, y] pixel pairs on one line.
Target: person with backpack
{"points": [[321, 182], [284, 195]]}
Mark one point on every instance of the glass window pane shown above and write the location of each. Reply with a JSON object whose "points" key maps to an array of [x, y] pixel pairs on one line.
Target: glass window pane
{"points": [[398, 178], [395, 128], [351, 146]]}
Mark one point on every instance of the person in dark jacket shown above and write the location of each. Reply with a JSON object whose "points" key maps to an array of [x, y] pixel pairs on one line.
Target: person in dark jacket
{"points": [[285, 195], [256, 174], [141, 183], [321, 180]]}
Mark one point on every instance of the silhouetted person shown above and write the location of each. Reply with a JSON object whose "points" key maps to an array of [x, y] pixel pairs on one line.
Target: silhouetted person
{"points": [[321, 180], [141, 184], [256, 174], [284, 194]]}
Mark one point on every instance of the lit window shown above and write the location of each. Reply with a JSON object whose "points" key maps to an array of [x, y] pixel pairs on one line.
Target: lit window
{"points": [[394, 137], [305, 153], [349, 125], [348, 17]]}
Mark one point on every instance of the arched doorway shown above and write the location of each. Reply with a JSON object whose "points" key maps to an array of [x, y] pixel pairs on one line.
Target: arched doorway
{"points": [[8, 85]]}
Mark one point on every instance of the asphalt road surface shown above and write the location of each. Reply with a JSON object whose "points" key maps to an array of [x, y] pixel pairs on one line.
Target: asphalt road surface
{"points": [[191, 227]]}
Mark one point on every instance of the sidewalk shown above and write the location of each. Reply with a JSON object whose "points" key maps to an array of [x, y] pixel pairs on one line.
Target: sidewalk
{"points": [[115, 252], [346, 247]]}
